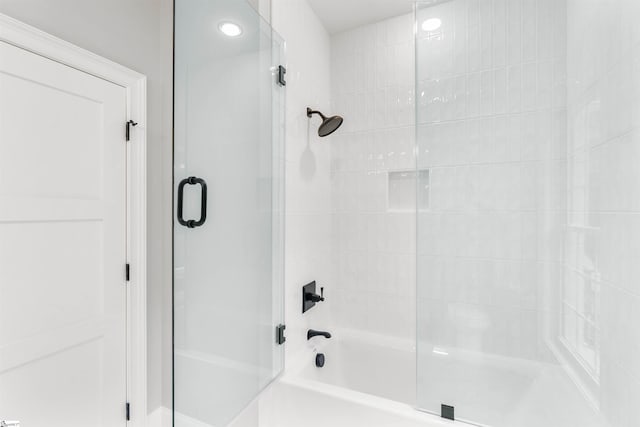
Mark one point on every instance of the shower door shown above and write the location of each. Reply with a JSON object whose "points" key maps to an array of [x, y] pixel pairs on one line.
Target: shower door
{"points": [[228, 176], [528, 279]]}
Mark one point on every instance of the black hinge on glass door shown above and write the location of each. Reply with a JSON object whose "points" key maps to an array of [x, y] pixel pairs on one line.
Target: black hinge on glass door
{"points": [[192, 223], [281, 72], [280, 338], [128, 411]]}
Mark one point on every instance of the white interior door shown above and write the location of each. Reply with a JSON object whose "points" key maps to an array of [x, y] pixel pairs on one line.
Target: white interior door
{"points": [[62, 244]]}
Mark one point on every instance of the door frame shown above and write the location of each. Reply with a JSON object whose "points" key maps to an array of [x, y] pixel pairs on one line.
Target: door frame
{"points": [[29, 38]]}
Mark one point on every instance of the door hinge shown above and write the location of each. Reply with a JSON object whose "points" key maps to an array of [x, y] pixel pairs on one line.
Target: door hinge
{"points": [[280, 338], [281, 72], [128, 411], [127, 269], [130, 123]]}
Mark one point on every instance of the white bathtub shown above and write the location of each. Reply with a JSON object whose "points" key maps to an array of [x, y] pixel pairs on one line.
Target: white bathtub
{"points": [[292, 404], [370, 381], [371, 364], [367, 381]]}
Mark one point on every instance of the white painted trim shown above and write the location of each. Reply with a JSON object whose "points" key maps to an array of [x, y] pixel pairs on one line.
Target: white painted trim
{"points": [[29, 38]]}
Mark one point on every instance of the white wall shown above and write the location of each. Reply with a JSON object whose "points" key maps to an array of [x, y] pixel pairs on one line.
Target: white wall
{"points": [[136, 34], [373, 221], [308, 201]]}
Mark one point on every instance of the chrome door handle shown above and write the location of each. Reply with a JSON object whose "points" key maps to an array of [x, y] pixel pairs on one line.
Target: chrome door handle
{"points": [[9, 423]]}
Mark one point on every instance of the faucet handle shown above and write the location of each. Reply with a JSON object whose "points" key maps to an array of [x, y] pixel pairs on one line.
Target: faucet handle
{"points": [[322, 292]]}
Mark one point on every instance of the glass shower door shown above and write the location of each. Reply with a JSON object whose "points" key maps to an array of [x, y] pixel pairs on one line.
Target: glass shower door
{"points": [[228, 203]]}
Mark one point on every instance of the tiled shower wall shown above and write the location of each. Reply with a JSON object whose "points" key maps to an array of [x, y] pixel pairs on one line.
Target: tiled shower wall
{"points": [[491, 131], [308, 215], [600, 326], [372, 199]]}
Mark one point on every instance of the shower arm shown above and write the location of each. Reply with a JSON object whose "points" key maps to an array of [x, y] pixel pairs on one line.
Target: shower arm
{"points": [[311, 112]]}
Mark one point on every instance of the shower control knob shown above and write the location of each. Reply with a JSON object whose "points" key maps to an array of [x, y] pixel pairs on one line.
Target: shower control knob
{"points": [[309, 296], [319, 360]]}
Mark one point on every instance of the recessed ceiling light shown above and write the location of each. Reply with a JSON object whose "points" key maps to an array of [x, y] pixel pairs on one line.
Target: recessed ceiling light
{"points": [[431, 24], [230, 29]]}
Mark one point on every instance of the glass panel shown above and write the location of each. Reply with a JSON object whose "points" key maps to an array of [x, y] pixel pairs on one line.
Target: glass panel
{"points": [[278, 115], [228, 274], [528, 294]]}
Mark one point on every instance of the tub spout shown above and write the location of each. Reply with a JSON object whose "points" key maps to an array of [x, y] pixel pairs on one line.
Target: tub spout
{"points": [[312, 333]]}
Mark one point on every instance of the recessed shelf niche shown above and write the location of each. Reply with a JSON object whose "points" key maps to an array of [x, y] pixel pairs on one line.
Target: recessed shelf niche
{"points": [[402, 190]]}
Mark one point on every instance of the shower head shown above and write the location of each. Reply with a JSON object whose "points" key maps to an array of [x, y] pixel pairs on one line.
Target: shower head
{"points": [[329, 124]]}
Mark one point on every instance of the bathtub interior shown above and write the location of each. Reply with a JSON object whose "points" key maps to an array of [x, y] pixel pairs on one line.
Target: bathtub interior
{"points": [[458, 377], [371, 364], [378, 369]]}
